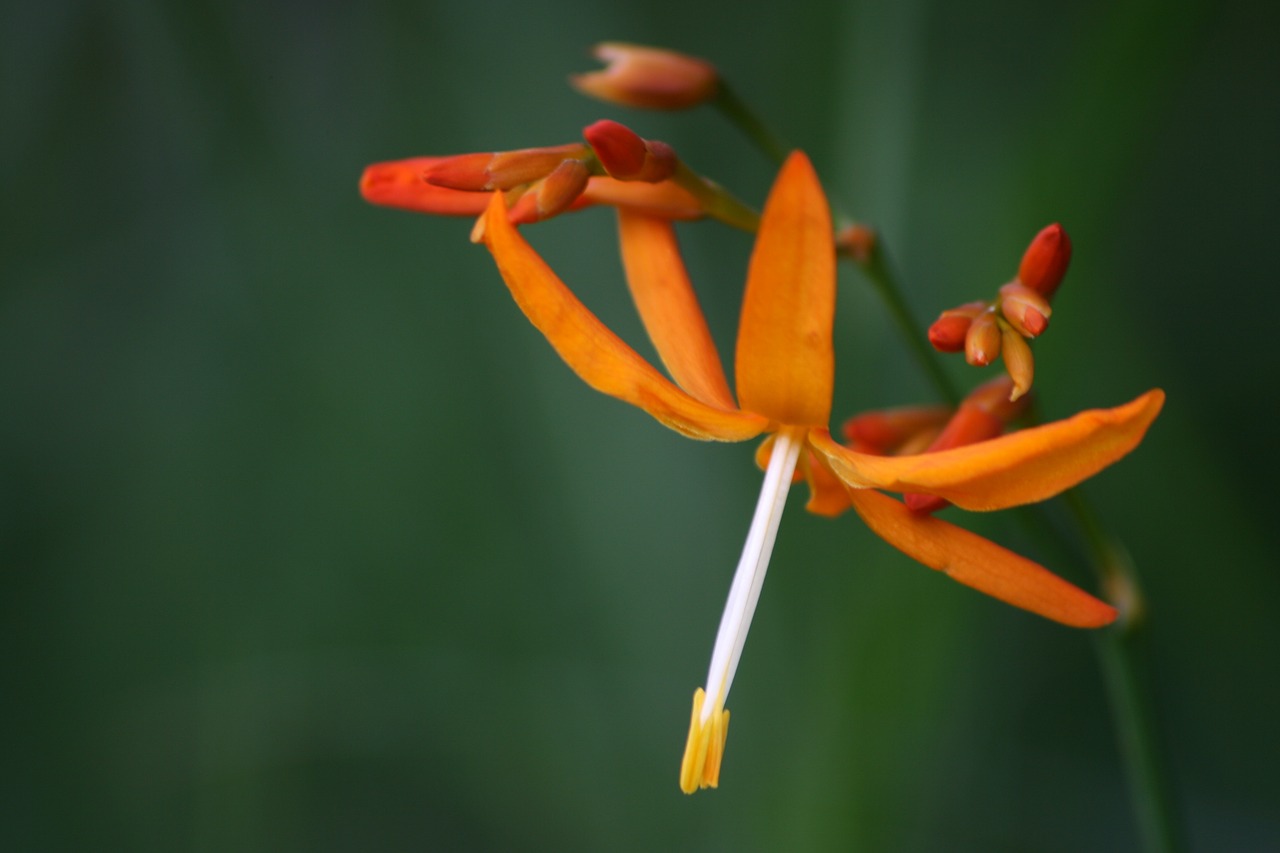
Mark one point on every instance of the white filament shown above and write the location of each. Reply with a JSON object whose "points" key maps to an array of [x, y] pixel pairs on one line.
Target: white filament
{"points": [[749, 576]]}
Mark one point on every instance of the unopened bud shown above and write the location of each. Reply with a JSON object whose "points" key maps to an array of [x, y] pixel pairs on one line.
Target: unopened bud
{"points": [[628, 157], [1045, 261], [947, 334], [648, 77], [982, 342], [888, 430], [1025, 309], [1019, 362], [503, 170], [858, 241], [993, 397], [982, 415], [562, 187]]}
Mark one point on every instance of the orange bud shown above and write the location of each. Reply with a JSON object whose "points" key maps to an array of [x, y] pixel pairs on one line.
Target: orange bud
{"points": [[503, 170], [399, 183], [1018, 361], [1025, 309], [947, 334], [1045, 261], [562, 187], [628, 157], [982, 415], [885, 431], [648, 78], [982, 343], [993, 397]]}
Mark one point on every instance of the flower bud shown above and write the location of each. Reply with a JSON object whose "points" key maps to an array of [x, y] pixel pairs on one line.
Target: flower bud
{"points": [[399, 183], [947, 334], [562, 187], [1025, 309], [648, 78], [982, 342], [1045, 261], [858, 241], [888, 430], [1018, 361], [982, 415], [628, 157], [502, 170]]}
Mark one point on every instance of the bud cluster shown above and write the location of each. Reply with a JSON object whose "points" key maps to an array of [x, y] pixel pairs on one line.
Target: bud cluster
{"points": [[986, 330]]}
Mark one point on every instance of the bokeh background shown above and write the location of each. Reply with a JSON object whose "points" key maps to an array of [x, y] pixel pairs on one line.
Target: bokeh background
{"points": [[309, 542]]}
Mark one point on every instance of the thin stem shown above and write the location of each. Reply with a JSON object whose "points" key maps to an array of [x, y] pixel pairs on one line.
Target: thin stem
{"points": [[875, 267], [744, 118]]}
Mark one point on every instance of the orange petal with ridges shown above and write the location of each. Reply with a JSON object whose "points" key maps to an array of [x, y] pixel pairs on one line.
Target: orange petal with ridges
{"points": [[665, 299], [1022, 467], [785, 368], [596, 354], [980, 563]]}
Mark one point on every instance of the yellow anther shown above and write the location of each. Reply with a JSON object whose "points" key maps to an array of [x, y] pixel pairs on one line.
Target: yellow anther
{"points": [[704, 749]]}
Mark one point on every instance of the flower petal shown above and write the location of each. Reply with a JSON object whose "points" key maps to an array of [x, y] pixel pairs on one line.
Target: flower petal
{"points": [[979, 563], [665, 299], [1022, 467], [596, 354], [785, 368]]}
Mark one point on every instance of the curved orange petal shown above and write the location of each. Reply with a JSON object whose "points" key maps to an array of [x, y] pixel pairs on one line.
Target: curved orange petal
{"points": [[1022, 467], [979, 563], [596, 354], [785, 368], [665, 299], [399, 183]]}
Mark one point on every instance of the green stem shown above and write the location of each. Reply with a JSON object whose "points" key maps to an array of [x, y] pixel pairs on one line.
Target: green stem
{"points": [[744, 118], [716, 201], [875, 266]]}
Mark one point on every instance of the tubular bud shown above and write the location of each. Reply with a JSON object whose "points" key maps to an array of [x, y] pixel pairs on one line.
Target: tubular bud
{"points": [[1018, 361], [982, 342], [1045, 261], [503, 170], [628, 157], [858, 241], [982, 415], [1025, 309], [947, 334], [648, 77], [886, 431], [561, 188]]}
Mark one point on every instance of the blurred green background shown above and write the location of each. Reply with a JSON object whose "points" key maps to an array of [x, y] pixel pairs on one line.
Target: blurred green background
{"points": [[310, 542]]}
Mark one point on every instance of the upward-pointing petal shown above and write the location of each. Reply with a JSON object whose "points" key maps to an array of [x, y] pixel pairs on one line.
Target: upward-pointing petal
{"points": [[596, 354], [665, 299], [785, 367], [1022, 467]]}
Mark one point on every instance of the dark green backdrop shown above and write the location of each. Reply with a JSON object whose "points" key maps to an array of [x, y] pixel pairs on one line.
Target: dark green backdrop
{"points": [[309, 542]]}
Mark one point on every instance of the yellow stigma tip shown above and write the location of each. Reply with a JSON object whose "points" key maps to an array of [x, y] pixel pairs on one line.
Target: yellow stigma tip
{"points": [[704, 749]]}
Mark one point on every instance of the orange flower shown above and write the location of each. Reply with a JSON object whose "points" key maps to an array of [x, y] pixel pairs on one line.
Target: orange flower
{"points": [[785, 376]]}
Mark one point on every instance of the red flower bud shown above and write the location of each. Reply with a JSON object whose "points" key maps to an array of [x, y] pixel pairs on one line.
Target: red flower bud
{"points": [[1045, 261], [628, 157], [947, 334]]}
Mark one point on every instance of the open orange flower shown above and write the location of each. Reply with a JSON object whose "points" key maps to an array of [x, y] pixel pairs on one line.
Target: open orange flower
{"points": [[785, 375]]}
